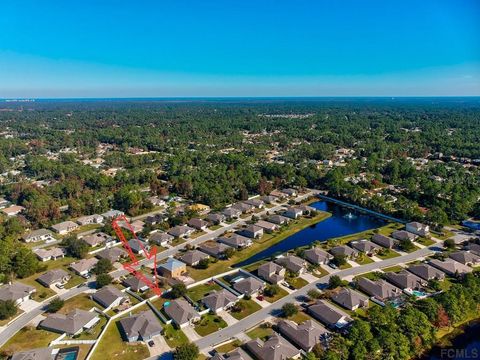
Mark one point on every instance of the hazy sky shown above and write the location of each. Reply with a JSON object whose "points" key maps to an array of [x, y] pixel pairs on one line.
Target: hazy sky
{"points": [[239, 48]]}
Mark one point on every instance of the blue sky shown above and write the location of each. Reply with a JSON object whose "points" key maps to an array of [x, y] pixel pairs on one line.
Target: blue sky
{"points": [[239, 48]]}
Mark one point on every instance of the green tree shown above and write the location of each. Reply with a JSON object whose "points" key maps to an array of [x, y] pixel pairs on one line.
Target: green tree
{"points": [[289, 309], [186, 352], [178, 290], [334, 282], [25, 263], [7, 309], [103, 266], [103, 280], [55, 305]]}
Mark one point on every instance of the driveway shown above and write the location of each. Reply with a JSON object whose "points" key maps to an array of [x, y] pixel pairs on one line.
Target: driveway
{"points": [[28, 305], [309, 277], [229, 319], [159, 347], [191, 333]]}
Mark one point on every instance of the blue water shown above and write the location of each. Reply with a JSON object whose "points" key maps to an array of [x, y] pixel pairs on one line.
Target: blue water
{"points": [[339, 224]]}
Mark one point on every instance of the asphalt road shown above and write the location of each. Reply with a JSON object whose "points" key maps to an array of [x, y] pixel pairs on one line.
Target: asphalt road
{"points": [[274, 309], [25, 318]]}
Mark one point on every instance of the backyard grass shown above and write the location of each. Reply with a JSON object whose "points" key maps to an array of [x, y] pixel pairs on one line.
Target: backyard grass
{"points": [[93, 333], [296, 282], [29, 338], [199, 292], [232, 345], [387, 254], [248, 308], [238, 256], [281, 293], [174, 337], [112, 346], [261, 332], [209, 324], [81, 301]]}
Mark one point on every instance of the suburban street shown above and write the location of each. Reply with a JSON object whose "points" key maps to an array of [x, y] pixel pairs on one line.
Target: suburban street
{"points": [[257, 317]]}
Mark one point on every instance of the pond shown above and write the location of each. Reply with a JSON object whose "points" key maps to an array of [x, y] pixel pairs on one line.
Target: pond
{"points": [[342, 222]]}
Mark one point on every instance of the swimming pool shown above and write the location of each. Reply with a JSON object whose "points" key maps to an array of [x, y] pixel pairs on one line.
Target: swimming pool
{"points": [[419, 293], [67, 354]]}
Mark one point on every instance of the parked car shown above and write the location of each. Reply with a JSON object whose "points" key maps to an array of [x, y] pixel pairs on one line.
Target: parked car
{"points": [[151, 343], [260, 297]]}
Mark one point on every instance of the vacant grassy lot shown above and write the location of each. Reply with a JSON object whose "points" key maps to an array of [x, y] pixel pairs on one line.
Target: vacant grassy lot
{"points": [[29, 338], [209, 324], [248, 307], [112, 346]]}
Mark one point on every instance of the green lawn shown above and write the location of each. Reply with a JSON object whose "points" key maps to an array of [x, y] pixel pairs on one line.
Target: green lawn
{"points": [[232, 345], [281, 293], [93, 333], [345, 266], [248, 308], [425, 241], [199, 292], [196, 234], [299, 317], [387, 254], [215, 227], [112, 346], [174, 337], [260, 332], [209, 324], [296, 282], [81, 301], [371, 275], [28, 338], [363, 260], [6, 321]]}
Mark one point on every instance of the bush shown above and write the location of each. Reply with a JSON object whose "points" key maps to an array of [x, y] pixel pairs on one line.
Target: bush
{"points": [[7, 309], [289, 309], [314, 294], [271, 290], [103, 280], [186, 352], [55, 305], [334, 282]]}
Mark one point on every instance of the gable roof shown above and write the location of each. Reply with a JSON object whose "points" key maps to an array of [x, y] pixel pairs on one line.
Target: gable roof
{"points": [[142, 325], [113, 254], [426, 271], [84, 265], [316, 255], [328, 314], [342, 250], [404, 279], [451, 266], [364, 245], [465, 257], [383, 240], [291, 262], [219, 299], [193, 256]]}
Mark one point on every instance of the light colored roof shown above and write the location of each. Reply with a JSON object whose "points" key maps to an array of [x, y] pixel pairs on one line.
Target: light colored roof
{"points": [[327, 313], [52, 276], [219, 299], [316, 255], [52, 252], [65, 225], [35, 233], [305, 335], [451, 266], [71, 323], [379, 288], [291, 262], [172, 265], [349, 298], [142, 325], [248, 285], [84, 265], [181, 311], [192, 256]]}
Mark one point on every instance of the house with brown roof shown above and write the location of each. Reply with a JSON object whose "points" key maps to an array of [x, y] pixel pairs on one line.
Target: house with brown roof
{"points": [[268, 199], [252, 232], [193, 257], [275, 348], [113, 254], [213, 248], [256, 202], [13, 210], [198, 224], [84, 266], [426, 272], [379, 289], [278, 219], [231, 213], [418, 229], [267, 226], [53, 253], [384, 241], [344, 250], [161, 238], [250, 286], [243, 207], [305, 335], [365, 246], [181, 231], [215, 218], [451, 267], [406, 280], [271, 272], [403, 235], [135, 284], [465, 258], [98, 239]]}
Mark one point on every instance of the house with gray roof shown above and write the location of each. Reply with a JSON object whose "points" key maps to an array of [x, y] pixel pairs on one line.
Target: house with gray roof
{"points": [[113, 254], [161, 238], [329, 315], [293, 212], [38, 235], [317, 256], [110, 297], [213, 248], [140, 327], [34, 354], [219, 300], [236, 241], [384, 241], [252, 232], [473, 248], [365, 246], [98, 239], [267, 226], [426, 272], [84, 266], [292, 263], [215, 218], [271, 272], [465, 258], [112, 214], [344, 250], [135, 284], [54, 277], [231, 213], [290, 192], [250, 286], [406, 280], [379, 289], [256, 202], [138, 246], [350, 299], [243, 207], [193, 257], [172, 268], [451, 267], [403, 235], [305, 335], [181, 231], [182, 313], [53, 253], [90, 219], [237, 354], [418, 228], [16, 292], [198, 224], [268, 199], [275, 348], [65, 227], [278, 219], [73, 323]]}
